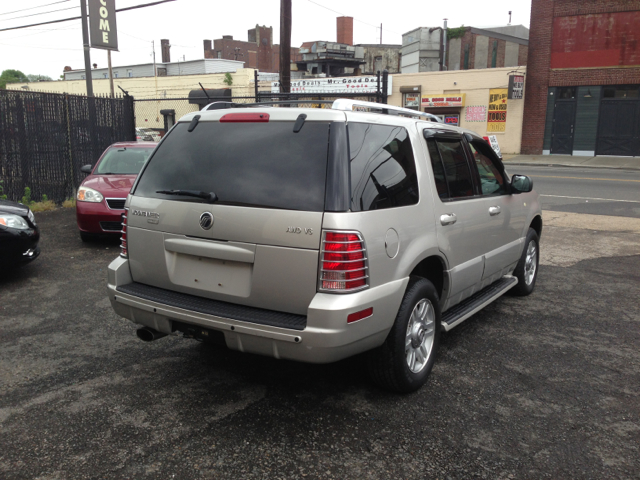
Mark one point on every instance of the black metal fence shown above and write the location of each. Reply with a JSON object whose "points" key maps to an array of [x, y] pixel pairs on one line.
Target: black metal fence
{"points": [[46, 137]]}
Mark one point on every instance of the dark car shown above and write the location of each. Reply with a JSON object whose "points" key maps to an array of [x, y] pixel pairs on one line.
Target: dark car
{"points": [[19, 234], [101, 196]]}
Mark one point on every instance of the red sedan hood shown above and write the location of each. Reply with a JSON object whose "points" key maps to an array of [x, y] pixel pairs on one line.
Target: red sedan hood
{"points": [[116, 186]]}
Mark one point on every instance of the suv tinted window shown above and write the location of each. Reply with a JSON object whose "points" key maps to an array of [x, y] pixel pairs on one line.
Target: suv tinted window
{"points": [[491, 179], [252, 164], [449, 161], [383, 170]]}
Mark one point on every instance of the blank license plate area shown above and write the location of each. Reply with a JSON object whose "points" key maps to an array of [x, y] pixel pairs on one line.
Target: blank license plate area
{"points": [[212, 275]]}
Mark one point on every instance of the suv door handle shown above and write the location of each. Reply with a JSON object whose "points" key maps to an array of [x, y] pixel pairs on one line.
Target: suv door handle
{"points": [[495, 210], [448, 219]]}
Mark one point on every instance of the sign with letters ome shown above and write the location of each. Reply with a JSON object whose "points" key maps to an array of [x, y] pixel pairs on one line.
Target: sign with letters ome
{"points": [[497, 116], [102, 24], [444, 100], [516, 87]]}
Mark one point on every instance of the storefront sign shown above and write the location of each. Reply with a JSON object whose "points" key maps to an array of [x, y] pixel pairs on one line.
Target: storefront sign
{"points": [[497, 117], [412, 100], [335, 85], [443, 101], [102, 24], [453, 119], [476, 113], [516, 87], [493, 141]]}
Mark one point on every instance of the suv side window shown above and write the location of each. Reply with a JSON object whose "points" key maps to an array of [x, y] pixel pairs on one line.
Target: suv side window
{"points": [[492, 181], [383, 169], [451, 168]]}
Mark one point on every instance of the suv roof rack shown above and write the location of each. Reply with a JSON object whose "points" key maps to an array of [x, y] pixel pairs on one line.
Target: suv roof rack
{"points": [[345, 104], [362, 106]]}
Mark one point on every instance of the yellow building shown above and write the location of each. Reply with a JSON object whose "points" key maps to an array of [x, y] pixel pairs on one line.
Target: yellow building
{"points": [[472, 99]]}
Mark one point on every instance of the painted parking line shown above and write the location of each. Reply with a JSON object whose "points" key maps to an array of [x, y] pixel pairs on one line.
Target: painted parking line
{"points": [[591, 198], [587, 178]]}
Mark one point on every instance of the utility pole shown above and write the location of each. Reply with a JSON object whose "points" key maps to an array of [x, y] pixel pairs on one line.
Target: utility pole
{"points": [[110, 73], [380, 34], [285, 46], [444, 47], [155, 70], [85, 44]]}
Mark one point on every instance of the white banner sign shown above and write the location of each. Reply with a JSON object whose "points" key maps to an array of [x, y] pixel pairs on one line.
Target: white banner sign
{"points": [[363, 85]]}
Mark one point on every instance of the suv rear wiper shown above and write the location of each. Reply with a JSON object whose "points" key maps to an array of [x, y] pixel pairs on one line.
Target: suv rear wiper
{"points": [[211, 197]]}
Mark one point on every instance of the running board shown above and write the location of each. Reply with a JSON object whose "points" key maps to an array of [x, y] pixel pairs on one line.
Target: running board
{"points": [[477, 302]]}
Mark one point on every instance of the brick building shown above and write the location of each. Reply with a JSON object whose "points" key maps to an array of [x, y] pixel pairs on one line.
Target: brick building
{"points": [[257, 52], [583, 78]]}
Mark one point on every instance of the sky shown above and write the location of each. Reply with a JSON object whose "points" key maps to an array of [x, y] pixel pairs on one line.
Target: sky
{"points": [[47, 49]]}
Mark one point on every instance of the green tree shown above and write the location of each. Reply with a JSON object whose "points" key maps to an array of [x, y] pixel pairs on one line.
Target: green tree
{"points": [[37, 78], [12, 76]]}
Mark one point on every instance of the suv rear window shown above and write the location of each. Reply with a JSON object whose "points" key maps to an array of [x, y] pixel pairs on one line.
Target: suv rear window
{"points": [[249, 164]]}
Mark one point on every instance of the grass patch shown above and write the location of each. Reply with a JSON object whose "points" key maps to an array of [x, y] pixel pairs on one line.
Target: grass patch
{"points": [[69, 203], [43, 206]]}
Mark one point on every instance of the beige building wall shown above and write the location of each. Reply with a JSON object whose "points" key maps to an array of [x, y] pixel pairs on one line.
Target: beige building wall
{"points": [[141, 88], [475, 84]]}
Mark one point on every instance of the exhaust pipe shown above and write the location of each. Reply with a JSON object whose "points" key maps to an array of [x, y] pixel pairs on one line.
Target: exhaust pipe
{"points": [[149, 334]]}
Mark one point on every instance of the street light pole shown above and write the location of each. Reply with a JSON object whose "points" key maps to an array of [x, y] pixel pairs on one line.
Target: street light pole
{"points": [[85, 44]]}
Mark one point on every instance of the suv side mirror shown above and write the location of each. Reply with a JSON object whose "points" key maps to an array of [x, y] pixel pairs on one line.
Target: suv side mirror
{"points": [[521, 184], [86, 169]]}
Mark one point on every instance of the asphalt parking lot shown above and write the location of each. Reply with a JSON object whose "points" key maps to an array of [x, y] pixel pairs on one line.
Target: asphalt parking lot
{"points": [[542, 387]]}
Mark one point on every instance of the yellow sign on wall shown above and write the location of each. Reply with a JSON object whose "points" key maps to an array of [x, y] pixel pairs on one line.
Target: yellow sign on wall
{"points": [[497, 115]]}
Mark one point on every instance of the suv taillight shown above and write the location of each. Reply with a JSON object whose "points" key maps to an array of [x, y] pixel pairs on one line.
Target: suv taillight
{"points": [[123, 239], [343, 265]]}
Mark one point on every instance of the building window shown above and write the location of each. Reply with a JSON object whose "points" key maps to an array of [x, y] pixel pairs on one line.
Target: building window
{"points": [[566, 93], [83, 77], [129, 72], [115, 74], [621, 91], [219, 54], [494, 54], [465, 65], [105, 75]]}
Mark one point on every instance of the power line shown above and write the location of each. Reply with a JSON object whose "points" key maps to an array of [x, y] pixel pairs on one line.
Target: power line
{"points": [[41, 13], [78, 18], [335, 11], [33, 8]]}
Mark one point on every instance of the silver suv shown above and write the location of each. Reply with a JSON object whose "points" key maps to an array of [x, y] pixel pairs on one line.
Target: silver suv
{"points": [[318, 234]]}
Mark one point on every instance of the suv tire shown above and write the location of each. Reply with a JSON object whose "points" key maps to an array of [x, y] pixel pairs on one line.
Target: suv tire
{"points": [[527, 269], [404, 361]]}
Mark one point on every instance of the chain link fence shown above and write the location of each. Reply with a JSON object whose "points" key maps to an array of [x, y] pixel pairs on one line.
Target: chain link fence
{"points": [[46, 137]]}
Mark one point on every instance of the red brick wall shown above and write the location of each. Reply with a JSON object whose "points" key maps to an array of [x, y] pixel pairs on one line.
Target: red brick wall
{"points": [[522, 55], [468, 39], [565, 8], [537, 79], [596, 40], [594, 76]]}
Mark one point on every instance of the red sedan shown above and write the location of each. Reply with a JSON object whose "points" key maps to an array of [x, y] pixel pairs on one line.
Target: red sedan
{"points": [[101, 196]]}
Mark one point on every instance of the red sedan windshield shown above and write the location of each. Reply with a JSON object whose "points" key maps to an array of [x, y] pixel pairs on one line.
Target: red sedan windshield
{"points": [[123, 161]]}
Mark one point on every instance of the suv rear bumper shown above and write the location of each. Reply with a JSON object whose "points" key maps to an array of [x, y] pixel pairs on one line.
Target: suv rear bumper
{"points": [[327, 337]]}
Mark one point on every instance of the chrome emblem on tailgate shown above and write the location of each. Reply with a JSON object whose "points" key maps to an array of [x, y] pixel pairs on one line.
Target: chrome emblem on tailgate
{"points": [[206, 220]]}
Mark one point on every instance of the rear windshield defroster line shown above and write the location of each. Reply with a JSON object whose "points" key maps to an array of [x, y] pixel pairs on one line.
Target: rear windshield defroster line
{"points": [[258, 164]]}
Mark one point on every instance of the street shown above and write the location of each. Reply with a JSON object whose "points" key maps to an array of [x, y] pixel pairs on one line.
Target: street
{"points": [[544, 386], [597, 191]]}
